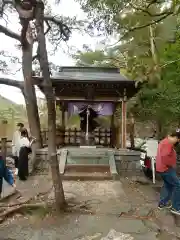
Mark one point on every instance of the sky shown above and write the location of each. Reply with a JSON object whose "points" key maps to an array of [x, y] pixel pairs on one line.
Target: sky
{"points": [[68, 8]]}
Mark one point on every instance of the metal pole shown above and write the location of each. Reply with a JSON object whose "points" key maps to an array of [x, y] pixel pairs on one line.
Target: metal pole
{"points": [[153, 170], [87, 124]]}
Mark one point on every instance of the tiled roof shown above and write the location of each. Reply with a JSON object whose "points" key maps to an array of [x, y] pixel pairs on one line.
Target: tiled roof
{"points": [[89, 74]]}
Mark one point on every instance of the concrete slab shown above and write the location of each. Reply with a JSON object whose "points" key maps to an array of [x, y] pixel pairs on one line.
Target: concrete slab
{"points": [[6, 189], [147, 236], [62, 160], [112, 165], [70, 227]]}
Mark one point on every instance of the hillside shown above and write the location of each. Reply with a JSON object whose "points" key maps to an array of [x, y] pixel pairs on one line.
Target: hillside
{"points": [[11, 111]]}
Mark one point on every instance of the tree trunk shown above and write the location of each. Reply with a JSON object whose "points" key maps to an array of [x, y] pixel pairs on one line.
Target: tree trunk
{"points": [[48, 90], [31, 100], [152, 44], [159, 130]]}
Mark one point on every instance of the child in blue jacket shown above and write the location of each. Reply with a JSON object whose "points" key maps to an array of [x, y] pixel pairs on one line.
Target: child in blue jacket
{"points": [[6, 174]]}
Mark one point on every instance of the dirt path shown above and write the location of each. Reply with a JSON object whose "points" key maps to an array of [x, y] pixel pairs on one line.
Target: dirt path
{"points": [[125, 206]]}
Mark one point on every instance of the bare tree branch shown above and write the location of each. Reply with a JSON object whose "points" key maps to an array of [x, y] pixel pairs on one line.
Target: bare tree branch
{"points": [[153, 2], [153, 22], [64, 30], [11, 82], [170, 62], [48, 27], [145, 10], [9, 33], [34, 57]]}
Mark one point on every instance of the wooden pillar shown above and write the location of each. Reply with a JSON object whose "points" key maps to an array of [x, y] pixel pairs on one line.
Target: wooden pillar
{"points": [[131, 129], [63, 114], [113, 134], [123, 121], [63, 122]]}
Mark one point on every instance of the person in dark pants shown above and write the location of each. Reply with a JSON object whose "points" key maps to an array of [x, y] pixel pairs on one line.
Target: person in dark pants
{"points": [[15, 145], [165, 166], [24, 150], [6, 174], [16, 163]]}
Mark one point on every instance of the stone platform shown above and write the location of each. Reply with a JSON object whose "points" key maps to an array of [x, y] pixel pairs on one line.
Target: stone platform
{"points": [[85, 163]]}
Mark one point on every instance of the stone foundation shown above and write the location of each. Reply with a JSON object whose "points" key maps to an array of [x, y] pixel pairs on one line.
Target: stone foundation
{"points": [[127, 161]]}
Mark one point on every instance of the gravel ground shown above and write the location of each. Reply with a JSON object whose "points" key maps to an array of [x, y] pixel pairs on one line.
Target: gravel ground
{"points": [[125, 206]]}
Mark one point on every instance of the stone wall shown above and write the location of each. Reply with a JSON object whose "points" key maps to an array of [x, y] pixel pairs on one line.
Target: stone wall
{"points": [[43, 159], [128, 162]]}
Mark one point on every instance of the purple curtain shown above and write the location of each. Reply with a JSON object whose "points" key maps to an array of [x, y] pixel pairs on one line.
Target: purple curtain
{"points": [[102, 108]]}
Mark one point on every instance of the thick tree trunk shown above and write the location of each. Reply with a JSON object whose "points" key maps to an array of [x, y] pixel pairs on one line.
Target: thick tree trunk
{"points": [[47, 85], [31, 100]]}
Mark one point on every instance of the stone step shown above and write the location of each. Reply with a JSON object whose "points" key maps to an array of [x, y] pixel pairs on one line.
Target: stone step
{"points": [[87, 161], [88, 152], [81, 176], [90, 168], [87, 156]]}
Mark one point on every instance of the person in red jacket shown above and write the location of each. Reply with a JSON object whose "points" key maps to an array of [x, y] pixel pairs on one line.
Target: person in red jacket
{"points": [[165, 166]]}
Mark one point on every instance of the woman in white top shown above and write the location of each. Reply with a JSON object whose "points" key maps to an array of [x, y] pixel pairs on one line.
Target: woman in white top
{"points": [[15, 145], [24, 150]]}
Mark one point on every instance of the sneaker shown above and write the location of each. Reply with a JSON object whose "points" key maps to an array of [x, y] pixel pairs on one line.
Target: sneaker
{"points": [[176, 212], [16, 172], [163, 206]]}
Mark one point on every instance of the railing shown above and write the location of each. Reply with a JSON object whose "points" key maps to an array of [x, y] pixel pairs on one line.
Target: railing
{"points": [[9, 142], [7, 148], [74, 137]]}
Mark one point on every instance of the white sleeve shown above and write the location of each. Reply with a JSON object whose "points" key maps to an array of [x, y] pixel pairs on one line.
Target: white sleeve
{"points": [[24, 142], [14, 138]]}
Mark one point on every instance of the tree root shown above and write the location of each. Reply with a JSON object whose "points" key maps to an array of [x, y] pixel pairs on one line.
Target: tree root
{"points": [[83, 208], [9, 196], [7, 210], [41, 194], [20, 208]]}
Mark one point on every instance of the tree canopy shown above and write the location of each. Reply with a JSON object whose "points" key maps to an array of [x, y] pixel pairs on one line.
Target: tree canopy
{"points": [[147, 50]]}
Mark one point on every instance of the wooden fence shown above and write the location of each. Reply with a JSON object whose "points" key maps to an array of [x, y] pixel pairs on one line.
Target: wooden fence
{"points": [[74, 137]]}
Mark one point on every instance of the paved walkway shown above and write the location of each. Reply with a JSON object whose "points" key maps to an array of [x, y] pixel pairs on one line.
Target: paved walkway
{"points": [[125, 206]]}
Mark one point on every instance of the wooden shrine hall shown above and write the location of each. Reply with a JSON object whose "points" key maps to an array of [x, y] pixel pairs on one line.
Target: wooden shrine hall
{"points": [[92, 89]]}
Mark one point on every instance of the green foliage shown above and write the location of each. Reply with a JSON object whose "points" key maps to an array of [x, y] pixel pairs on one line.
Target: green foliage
{"points": [[118, 16], [100, 58], [162, 102], [91, 58], [6, 104], [148, 54], [11, 112]]}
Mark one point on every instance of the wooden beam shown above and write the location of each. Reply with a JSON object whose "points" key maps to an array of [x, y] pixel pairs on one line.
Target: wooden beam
{"points": [[80, 99]]}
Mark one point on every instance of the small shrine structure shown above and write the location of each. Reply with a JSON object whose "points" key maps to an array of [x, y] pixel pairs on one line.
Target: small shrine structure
{"points": [[91, 91], [91, 152]]}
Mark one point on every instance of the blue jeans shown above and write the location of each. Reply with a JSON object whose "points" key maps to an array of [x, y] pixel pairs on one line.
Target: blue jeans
{"points": [[1, 183], [170, 189]]}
